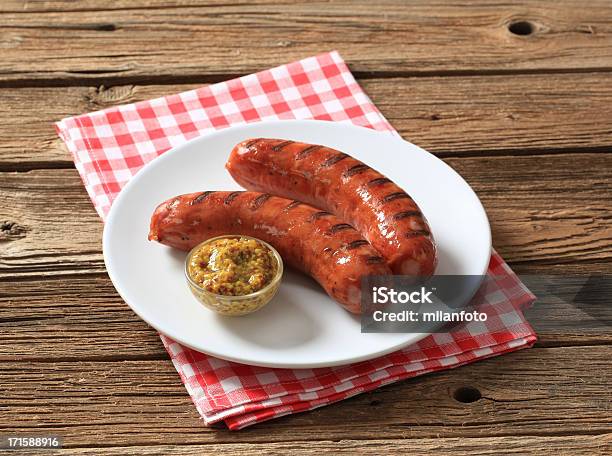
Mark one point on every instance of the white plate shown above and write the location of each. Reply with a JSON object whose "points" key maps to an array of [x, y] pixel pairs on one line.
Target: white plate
{"points": [[302, 327]]}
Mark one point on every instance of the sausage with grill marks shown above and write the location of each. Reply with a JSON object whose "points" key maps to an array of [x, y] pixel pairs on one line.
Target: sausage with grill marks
{"points": [[384, 213], [313, 241]]}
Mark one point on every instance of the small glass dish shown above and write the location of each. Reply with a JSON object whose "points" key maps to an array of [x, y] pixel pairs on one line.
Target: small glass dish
{"points": [[235, 305]]}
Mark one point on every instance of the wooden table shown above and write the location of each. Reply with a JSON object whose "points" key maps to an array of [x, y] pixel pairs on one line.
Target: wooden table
{"points": [[516, 97]]}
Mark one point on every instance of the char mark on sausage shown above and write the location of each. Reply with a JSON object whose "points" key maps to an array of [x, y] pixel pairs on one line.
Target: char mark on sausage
{"points": [[252, 142], [307, 151], [378, 181], [333, 160], [416, 233], [354, 170], [395, 196], [231, 197], [281, 146], [406, 214], [292, 205], [259, 201], [201, 197], [356, 244], [318, 215], [375, 260], [340, 227]]}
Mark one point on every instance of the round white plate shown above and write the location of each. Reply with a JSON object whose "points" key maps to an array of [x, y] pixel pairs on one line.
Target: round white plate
{"points": [[302, 327]]}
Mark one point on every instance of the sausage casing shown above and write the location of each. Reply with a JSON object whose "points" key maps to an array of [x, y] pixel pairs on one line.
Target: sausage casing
{"points": [[384, 213], [309, 239]]}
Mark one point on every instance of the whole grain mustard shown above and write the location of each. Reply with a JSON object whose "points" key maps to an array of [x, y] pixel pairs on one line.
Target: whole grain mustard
{"points": [[232, 266]]}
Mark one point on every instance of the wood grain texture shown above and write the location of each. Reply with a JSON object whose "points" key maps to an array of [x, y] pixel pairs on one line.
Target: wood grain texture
{"points": [[72, 319], [143, 403], [535, 446], [48, 209], [59, 42], [448, 116]]}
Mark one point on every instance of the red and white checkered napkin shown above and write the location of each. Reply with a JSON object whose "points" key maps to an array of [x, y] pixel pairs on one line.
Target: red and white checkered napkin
{"points": [[108, 148]]}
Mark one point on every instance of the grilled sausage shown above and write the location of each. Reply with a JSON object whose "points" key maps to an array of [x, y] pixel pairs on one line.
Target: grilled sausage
{"points": [[310, 240], [384, 213]]}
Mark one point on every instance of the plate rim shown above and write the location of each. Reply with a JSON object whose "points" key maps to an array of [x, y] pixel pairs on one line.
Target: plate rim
{"points": [[116, 203]]}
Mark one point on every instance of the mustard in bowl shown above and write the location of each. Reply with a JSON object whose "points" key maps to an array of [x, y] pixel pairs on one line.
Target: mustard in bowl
{"points": [[234, 274]]}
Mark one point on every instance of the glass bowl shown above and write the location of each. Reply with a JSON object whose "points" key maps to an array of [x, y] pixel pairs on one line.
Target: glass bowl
{"points": [[235, 305]]}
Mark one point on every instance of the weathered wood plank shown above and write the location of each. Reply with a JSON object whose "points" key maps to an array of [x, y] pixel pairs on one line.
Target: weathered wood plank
{"points": [[41, 211], [72, 318], [144, 403], [75, 318], [491, 446], [207, 38], [447, 116]]}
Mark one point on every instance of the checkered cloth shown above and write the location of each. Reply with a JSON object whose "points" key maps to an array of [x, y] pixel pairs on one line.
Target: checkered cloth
{"points": [[110, 146]]}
